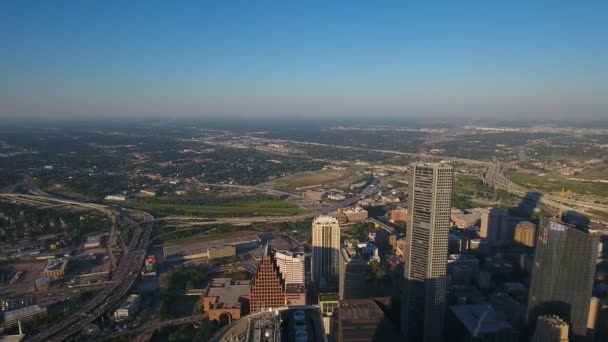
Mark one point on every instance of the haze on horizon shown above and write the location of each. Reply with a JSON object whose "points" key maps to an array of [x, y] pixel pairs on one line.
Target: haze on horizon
{"points": [[75, 59]]}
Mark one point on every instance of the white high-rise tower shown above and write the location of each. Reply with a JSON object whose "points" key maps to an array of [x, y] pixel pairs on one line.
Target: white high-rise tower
{"points": [[325, 249]]}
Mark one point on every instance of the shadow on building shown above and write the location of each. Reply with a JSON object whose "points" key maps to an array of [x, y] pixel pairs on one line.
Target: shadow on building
{"points": [[423, 309]]}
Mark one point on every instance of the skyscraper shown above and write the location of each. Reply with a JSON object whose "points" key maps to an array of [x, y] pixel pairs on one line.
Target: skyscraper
{"points": [[563, 273], [424, 293], [325, 249], [550, 329], [494, 226], [353, 271], [291, 265], [267, 286]]}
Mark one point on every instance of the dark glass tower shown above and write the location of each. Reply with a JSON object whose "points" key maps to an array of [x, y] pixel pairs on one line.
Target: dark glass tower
{"points": [[424, 293], [562, 278]]}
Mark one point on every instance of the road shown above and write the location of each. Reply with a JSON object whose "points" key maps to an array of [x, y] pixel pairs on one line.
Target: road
{"points": [[496, 178], [122, 279], [154, 325]]}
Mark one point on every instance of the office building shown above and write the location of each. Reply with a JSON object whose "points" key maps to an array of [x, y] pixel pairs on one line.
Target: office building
{"points": [[494, 226], [267, 286], [525, 234], [550, 329], [365, 320], [325, 249], [478, 323], [424, 293], [353, 271], [563, 274], [291, 265]]}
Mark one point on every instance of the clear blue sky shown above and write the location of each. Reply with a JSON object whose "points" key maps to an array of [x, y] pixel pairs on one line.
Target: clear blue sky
{"points": [[287, 58]]}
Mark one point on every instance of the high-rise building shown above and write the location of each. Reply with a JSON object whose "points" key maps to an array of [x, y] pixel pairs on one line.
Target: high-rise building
{"points": [[325, 249], [353, 271], [563, 274], [494, 226], [525, 234], [267, 286], [291, 265], [424, 293], [550, 329]]}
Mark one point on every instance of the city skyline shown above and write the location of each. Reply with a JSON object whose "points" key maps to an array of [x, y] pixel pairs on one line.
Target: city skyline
{"points": [[71, 60]]}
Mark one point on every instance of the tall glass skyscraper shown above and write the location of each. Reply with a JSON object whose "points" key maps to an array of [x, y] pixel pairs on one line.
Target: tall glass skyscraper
{"points": [[424, 293], [562, 278]]}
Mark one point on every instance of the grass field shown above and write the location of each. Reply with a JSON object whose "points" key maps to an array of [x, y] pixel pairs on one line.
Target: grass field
{"points": [[595, 173], [469, 185], [313, 178], [336, 178], [170, 205], [170, 239], [543, 183]]}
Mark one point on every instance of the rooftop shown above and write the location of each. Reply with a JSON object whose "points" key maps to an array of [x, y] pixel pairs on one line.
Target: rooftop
{"points": [[228, 291], [23, 312], [56, 264], [365, 320], [295, 323], [480, 318], [203, 246]]}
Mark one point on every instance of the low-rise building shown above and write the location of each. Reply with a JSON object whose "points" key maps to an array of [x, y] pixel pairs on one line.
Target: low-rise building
{"points": [[92, 241], [150, 192], [398, 215], [129, 308], [356, 214], [115, 198], [10, 318], [226, 299], [465, 218], [295, 294], [221, 252], [55, 268], [525, 234], [478, 322]]}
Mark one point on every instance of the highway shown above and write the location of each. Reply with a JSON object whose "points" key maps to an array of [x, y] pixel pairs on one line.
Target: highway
{"points": [[126, 272], [496, 178], [123, 276], [154, 325]]}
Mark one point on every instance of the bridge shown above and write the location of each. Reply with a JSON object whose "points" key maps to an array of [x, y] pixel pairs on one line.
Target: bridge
{"points": [[495, 178]]}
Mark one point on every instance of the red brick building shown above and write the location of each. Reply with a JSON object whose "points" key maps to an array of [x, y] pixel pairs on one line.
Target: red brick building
{"points": [[399, 215], [267, 286]]}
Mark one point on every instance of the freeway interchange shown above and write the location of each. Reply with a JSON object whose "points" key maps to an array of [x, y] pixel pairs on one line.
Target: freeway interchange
{"points": [[126, 271]]}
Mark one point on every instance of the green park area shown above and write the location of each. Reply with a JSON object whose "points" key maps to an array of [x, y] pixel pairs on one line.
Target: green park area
{"points": [[467, 188], [175, 205]]}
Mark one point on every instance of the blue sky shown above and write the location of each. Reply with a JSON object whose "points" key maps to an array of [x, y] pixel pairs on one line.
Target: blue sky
{"points": [[482, 59]]}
